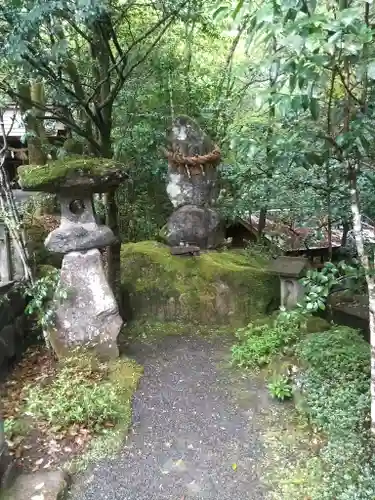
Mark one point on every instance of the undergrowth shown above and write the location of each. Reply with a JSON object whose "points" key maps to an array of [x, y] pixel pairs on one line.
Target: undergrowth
{"points": [[332, 391], [260, 341], [336, 389], [89, 394]]}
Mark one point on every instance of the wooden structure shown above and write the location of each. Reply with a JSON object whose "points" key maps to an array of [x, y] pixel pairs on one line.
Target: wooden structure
{"points": [[16, 131], [310, 240], [11, 267]]}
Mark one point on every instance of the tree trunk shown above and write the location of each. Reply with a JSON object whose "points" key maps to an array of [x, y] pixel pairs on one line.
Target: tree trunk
{"points": [[36, 141], [262, 222], [114, 251], [370, 279]]}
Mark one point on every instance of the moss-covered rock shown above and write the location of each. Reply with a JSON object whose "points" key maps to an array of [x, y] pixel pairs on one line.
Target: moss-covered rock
{"points": [[216, 287], [70, 171]]}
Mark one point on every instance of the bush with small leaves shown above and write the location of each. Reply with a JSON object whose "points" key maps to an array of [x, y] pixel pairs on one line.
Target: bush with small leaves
{"points": [[336, 389], [259, 342]]}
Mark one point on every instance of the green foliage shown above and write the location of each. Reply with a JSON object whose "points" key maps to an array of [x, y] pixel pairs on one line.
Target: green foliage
{"points": [[82, 393], [336, 391], [14, 427], [338, 362], [280, 388], [259, 343], [320, 284], [39, 298]]}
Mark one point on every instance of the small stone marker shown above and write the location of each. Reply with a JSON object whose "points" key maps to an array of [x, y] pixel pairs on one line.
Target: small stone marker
{"points": [[192, 187], [188, 250], [290, 270], [89, 316]]}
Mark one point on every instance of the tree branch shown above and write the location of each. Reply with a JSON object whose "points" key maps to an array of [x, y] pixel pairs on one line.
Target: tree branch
{"points": [[122, 61]]}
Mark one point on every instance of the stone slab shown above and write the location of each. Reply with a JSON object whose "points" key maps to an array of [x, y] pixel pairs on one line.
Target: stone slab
{"points": [[52, 485], [188, 250]]}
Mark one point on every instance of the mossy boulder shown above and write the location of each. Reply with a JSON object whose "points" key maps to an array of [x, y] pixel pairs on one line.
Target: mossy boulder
{"points": [[71, 172], [217, 287]]}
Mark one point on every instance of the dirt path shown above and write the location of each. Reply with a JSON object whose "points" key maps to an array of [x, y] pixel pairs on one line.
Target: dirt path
{"points": [[196, 433]]}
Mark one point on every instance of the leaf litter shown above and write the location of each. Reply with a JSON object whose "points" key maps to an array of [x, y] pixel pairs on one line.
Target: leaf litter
{"points": [[37, 445]]}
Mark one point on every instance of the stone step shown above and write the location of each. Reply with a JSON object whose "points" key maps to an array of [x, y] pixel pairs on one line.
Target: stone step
{"points": [[51, 485]]}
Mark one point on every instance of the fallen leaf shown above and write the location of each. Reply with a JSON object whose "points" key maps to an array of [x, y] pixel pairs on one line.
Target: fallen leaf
{"points": [[39, 486], [234, 467], [40, 461]]}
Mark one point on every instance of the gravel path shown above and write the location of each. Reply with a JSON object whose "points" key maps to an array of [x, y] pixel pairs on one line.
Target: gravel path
{"points": [[196, 432]]}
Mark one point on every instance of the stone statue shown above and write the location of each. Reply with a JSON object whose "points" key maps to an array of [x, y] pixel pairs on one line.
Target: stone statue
{"points": [[192, 187], [89, 316]]}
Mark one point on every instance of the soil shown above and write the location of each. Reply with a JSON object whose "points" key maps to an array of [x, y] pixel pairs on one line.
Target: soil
{"points": [[36, 445]]}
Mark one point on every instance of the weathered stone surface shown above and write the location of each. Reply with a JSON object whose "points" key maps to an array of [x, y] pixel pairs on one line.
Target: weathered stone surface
{"points": [[187, 138], [195, 226], [78, 229], [75, 237], [8, 341], [192, 187], [188, 250], [187, 185], [51, 485], [89, 316]]}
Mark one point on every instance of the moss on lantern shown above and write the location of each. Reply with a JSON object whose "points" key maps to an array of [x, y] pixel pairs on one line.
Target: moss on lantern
{"points": [[67, 171]]}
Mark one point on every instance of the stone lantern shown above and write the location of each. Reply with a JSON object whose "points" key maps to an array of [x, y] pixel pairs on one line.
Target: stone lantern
{"points": [[192, 187], [290, 271], [89, 315]]}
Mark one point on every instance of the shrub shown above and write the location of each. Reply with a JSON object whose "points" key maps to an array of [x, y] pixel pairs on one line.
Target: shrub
{"points": [[259, 342], [336, 389]]}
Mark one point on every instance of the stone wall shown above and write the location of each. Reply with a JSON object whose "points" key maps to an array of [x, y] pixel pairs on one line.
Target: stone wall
{"points": [[13, 325], [226, 288], [13, 328]]}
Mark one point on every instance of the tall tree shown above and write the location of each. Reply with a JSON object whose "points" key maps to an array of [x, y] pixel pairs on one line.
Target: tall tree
{"points": [[327, 56], [83, 52]]}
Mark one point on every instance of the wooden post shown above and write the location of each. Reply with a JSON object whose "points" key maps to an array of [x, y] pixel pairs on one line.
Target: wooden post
{"points": [[5, 255]]}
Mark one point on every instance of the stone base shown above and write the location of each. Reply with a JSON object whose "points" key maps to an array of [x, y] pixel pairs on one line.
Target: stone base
{"points": [[196, 226], [51, 485], [89, 316]]}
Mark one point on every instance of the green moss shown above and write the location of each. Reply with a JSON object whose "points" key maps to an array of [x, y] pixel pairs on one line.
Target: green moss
{"points": [[221, 287], [39, 177], [124, 375]]}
